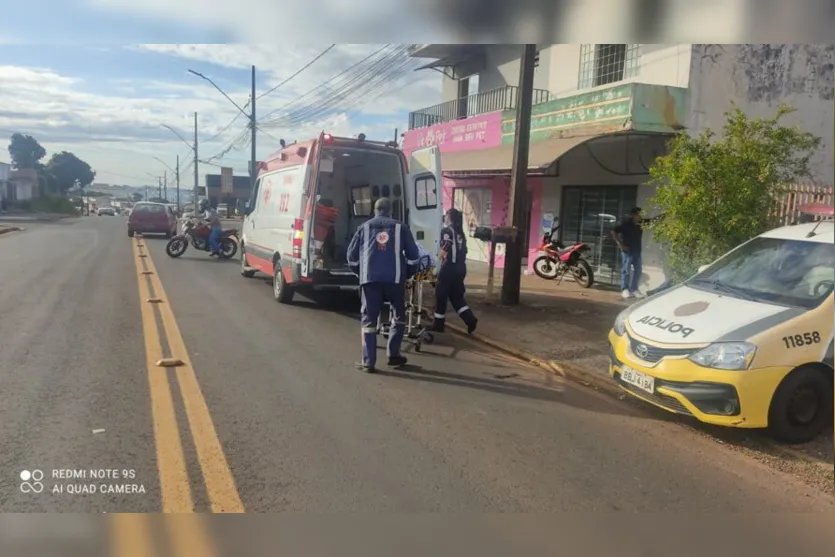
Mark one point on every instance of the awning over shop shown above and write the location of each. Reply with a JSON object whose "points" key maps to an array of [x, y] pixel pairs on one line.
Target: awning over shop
{"points": [[495, 159]]}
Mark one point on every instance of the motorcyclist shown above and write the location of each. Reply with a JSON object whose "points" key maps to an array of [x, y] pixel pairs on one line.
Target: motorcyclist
{"points": [[209, 214]]}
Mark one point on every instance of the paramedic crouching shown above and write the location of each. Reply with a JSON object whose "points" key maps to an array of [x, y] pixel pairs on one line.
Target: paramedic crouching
{"points": [[383, 254], [452, 272]]}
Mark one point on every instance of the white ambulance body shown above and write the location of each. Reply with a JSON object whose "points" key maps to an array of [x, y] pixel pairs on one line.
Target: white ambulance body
{"points": [[311, 197]]}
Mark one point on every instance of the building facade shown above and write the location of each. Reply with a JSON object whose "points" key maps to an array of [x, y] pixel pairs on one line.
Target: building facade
{"points": [[602, 113]]}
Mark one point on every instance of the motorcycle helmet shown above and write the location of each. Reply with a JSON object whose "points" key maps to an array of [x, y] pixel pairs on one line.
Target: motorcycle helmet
{"points": [[204, 204]]}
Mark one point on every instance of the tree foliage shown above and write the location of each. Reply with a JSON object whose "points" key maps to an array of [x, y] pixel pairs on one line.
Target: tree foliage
{"points": [[717, 192], [65, 170], [25, 151], [137, 197]]}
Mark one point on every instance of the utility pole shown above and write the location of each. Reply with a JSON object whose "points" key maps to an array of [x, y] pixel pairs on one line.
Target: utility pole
{"points": [[518, 181], [253, 168], [178, 184], [196, 173], [159, 187], [165, 185]]}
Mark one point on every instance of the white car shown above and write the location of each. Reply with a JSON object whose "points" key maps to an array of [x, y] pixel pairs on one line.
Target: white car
{"points": [[106, 211]]}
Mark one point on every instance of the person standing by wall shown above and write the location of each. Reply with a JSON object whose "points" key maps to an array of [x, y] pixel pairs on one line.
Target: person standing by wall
{"points": [[628, 236]]}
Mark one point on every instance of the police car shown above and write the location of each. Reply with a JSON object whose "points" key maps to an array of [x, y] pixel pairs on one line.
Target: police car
{"points": [[747, 342], [311, 197]]}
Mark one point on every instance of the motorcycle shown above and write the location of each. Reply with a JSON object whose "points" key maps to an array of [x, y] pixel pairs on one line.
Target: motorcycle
{"points": [[197, 235], [557, 260]]}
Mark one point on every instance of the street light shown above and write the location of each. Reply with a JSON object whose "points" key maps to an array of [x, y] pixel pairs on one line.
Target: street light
{"points": [[192, 147], [253, 166]]}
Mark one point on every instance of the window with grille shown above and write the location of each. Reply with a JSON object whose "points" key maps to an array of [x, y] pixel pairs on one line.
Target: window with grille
{"points": [[601, 64]]}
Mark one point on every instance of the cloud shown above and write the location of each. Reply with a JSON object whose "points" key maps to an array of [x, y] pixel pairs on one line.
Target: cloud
{"points": [[116, 124]]}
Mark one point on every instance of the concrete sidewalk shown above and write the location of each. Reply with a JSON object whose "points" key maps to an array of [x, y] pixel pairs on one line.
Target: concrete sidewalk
{"points": [[553, 322]]}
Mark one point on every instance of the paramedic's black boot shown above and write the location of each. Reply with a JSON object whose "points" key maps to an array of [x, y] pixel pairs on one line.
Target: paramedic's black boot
{"points": [[470, 320], [438, 325], [397, 361], [364, 367]]}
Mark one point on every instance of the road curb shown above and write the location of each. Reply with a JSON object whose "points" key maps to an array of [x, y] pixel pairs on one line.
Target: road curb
{"points": [[588, 378], [570, 371], [6, 230]]}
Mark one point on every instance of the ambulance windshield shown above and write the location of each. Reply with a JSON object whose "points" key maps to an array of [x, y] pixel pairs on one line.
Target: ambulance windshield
{"points": [[772, 270]]}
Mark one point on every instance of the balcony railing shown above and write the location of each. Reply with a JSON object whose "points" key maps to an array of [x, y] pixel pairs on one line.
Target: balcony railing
{"points": [[502, 98]]}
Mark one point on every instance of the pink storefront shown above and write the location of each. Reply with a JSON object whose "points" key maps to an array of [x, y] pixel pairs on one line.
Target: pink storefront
{"points": [[484, 199]]}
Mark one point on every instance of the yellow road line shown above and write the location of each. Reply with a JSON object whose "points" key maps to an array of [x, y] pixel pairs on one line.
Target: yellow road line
{"points": [[174, 484], [217, 475], [130, 535]]}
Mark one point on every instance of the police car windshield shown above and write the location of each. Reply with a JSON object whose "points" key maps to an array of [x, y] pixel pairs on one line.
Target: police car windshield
{"points": [[771, 270]]}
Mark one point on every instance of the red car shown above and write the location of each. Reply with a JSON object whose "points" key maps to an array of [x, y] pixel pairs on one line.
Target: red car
{"points": [[152, 218]]}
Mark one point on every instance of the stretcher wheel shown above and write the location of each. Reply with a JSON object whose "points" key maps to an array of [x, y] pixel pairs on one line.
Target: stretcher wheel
{"points": [[418, 346], [428, 338]]}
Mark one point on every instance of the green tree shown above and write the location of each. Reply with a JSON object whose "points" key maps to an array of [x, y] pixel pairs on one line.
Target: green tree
{"points": [[717, 192], [65, 170], [25, 151], [137, 197]]}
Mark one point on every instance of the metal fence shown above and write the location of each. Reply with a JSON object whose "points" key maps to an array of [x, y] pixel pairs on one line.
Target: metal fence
{"points": [[502, 98], [798, 195]]}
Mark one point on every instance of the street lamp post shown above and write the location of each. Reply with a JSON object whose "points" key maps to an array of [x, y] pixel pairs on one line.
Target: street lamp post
{"points": [[253, 166], [193, 147]]}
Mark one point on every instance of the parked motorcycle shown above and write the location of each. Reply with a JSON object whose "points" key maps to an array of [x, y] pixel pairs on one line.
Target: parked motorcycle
{"points": [[197, 235], [557, 260]]}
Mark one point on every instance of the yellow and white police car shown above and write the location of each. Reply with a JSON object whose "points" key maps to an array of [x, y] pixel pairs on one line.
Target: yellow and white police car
{"points": [[747, 342]]}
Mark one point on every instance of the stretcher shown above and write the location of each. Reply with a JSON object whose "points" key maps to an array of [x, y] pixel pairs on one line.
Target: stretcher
{"points": [[416, 331]]}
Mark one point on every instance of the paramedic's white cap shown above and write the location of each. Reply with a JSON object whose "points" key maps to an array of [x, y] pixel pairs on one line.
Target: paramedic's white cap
{"points": [[382, 207]]}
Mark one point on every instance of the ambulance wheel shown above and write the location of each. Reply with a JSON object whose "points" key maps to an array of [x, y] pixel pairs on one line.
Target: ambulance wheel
{"points": [[802, 406], [282, 292]]}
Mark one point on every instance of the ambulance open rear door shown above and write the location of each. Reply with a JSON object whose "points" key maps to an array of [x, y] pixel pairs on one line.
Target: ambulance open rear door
{"points": [[425, 198]]}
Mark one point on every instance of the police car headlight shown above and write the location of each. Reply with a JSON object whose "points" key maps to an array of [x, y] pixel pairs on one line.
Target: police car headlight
{"points": [[726, 355], [620, 323]]}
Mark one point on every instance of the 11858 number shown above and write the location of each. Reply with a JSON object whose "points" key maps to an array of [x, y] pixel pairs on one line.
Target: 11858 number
{"points": [[796, 341]]}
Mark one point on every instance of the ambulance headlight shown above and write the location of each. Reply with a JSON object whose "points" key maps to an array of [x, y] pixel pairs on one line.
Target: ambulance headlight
{"points": [[620, 323], [726, 355]]}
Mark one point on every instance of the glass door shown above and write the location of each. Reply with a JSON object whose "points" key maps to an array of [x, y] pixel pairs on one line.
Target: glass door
{"points": [[589, 213]]}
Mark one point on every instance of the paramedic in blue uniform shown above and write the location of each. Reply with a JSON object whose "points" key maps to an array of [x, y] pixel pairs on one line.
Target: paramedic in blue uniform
{"points": [[383, 253], [452, 272]]}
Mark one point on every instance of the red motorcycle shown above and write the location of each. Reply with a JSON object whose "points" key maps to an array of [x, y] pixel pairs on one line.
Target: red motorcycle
{"points": [[197, 235], [556, 260]]}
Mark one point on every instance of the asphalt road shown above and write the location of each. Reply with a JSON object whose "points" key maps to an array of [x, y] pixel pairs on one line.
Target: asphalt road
{"points": [[268, 414]]}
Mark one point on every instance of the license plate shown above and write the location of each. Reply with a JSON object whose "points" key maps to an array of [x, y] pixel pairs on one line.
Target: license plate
{"points": [[638, 379]]}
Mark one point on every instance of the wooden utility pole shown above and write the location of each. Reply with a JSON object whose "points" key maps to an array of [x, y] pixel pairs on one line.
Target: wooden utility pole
{"points": [[178, 184], [196, 174], [518, 181], [253, 165]]}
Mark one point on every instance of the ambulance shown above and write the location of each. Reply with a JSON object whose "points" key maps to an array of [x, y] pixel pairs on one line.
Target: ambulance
{"points": [[311, 197], [747, 342]]}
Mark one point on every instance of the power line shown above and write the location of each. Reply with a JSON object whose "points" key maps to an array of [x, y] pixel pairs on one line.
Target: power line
{"points": [[340, 74], [298, 72], [390, 67]]}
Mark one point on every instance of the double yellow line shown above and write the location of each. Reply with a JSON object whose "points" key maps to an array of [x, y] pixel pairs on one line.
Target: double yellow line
{"points": [[175, 484]]}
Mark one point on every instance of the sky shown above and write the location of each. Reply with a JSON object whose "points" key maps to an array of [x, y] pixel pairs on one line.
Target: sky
{"points": [[109, 102]]}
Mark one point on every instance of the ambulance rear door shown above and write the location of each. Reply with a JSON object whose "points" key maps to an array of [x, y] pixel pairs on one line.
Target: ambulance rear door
{"points": [[424, 198]]}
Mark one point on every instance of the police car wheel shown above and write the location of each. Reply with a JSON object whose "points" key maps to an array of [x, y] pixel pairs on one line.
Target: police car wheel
{"points": [[281, 291], [801, 407]]}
